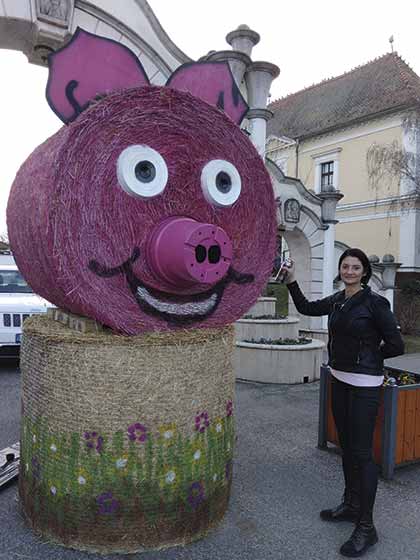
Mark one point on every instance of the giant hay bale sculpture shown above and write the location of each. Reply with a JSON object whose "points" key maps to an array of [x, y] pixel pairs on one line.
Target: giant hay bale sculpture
{"points": [[151, 213]]}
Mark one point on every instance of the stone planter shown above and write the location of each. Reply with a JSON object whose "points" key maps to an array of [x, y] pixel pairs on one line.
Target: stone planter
{"points": [[264, 306], [266, 363], [397, 431], [254, 329], [320, 334]]}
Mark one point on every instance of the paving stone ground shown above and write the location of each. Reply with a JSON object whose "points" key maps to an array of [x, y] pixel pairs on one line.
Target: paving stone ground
{"points": [[281, 481]]}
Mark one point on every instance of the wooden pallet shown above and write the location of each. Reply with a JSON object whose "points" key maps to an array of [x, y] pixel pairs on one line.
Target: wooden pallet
{"points": [[75, 322]]}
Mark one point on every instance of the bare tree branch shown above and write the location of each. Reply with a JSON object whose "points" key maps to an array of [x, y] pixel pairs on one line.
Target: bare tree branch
{"points": [[391, 161]]}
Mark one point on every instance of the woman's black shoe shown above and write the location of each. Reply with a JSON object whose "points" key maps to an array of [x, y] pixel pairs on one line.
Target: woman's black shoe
{"points": [[363, 536], [343, 512]]}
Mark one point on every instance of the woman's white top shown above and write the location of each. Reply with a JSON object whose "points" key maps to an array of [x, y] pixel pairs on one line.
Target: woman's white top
{"points": [[358, 379]]}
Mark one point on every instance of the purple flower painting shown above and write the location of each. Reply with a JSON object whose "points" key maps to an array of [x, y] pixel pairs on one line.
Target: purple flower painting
{"points": [[196, 494], [137, 432], [107, 504], [202, 422]]}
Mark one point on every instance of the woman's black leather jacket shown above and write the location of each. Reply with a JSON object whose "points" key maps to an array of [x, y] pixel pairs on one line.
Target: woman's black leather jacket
{"points": [[362, 330]]}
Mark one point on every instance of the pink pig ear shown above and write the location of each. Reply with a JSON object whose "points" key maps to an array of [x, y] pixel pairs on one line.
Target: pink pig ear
{"points": [[212, 82], [88, 66]]}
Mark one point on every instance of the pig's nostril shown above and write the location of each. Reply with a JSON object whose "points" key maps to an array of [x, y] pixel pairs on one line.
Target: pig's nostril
{"points": [[214, 254], [200, 253]]}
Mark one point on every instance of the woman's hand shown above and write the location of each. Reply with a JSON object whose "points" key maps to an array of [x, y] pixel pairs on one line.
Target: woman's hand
{"points": [[290, 272]]}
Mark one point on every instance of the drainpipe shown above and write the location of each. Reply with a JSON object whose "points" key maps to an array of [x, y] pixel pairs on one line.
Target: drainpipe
{"points": [[297, 158]]}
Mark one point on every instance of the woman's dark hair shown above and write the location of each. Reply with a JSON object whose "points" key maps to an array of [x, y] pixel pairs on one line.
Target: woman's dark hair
{"points": [[358, 254]]}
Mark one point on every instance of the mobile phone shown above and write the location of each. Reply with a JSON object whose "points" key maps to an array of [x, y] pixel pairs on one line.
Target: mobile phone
{"points": [[282, 272]]}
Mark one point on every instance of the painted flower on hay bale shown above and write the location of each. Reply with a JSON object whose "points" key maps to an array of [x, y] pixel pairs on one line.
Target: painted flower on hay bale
{"points": [[151, 209]]}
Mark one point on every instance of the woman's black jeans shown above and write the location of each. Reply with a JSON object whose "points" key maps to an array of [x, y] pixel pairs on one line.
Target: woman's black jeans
{"points": [[355, 410]]}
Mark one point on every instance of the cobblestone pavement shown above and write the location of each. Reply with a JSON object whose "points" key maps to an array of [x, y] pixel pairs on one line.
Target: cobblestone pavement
{"points": [[281, 481]]}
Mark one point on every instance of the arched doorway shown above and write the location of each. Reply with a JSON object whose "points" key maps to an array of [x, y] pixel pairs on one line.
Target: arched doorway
{"points": [[302, 233]]}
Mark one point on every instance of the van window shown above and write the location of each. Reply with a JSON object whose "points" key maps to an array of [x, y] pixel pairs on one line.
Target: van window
{"points": [[12, 282]]}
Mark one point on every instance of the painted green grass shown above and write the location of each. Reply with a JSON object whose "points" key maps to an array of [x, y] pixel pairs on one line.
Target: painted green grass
{"points": [[109, 479]]}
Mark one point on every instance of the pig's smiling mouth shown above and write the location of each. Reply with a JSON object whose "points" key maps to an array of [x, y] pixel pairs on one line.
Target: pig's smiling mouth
{"points": [[172, 308]]}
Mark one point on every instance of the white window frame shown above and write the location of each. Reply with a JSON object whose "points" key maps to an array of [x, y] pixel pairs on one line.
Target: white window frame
{"points": [[325, 157]]}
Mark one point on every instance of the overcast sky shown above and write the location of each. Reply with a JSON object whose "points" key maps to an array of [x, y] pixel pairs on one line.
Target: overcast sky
{"points": [[309, 41]]}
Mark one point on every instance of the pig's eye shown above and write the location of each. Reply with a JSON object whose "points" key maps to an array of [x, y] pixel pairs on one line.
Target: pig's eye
{"points": [[221, 182], [142, 171]]}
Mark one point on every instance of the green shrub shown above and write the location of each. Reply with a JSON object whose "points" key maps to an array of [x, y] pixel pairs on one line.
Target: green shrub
{"points": [[281, 293]]}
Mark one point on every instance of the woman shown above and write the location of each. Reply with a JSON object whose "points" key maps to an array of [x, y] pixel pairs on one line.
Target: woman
{"points": [[362, 332]]}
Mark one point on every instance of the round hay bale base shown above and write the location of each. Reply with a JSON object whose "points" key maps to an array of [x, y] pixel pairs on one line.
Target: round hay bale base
{"points": [[126, 442]]}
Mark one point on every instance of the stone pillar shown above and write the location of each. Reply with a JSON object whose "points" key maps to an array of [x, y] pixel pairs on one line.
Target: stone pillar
{"points": [[258, 128], [329, 204], [256, 85], [328, 271], [259, 77]]}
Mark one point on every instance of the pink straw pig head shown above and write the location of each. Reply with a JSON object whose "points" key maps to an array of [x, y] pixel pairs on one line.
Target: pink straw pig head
{"points": [[174, 222], [151, 210]]}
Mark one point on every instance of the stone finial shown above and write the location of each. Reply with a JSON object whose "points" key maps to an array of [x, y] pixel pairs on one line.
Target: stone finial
{"points": [[330, 200], [389, 271], [259, 77], [243, 39], [374, 259]]}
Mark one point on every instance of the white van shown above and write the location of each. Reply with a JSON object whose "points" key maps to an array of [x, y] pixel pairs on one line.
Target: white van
{"points": [[17, 302]]}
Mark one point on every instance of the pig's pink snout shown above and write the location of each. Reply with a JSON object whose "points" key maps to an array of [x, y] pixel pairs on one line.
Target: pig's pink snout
{"points": [[184, 252]]}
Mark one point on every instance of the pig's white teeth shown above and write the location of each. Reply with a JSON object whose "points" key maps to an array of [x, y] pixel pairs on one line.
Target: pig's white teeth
{"points": [[181, 309]]}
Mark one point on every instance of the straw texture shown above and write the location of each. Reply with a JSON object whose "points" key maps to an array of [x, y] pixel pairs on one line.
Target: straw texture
{"points": [[127, 442], [67, 208]]}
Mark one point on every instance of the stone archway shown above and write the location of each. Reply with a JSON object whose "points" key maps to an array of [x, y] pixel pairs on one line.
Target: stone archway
{"points": [[301, 226], [298, 244], [38, 27]]}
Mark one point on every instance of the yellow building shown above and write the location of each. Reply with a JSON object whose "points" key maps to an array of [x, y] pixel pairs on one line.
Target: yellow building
{"points": [[359, 133]]}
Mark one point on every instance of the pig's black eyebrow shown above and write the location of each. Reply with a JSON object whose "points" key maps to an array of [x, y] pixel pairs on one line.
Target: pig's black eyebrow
{"points": [[105, 272]]}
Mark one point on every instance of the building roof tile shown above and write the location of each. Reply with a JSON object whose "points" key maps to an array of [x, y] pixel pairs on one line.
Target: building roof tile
{"points": [[382, 85]]}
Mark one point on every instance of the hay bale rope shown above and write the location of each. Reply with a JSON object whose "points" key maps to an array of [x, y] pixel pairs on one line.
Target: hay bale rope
{"points": [[127, 441]]}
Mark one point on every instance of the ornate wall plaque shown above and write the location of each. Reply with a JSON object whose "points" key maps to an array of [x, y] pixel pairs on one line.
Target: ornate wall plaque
{"points": [[292, 211], [54, 11]]}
